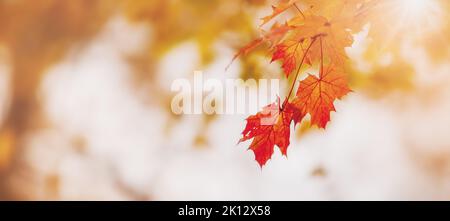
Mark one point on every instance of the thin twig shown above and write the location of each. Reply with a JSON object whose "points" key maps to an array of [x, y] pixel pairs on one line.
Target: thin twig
{"points": [[300, 11], [298, 72], [321, 58]]}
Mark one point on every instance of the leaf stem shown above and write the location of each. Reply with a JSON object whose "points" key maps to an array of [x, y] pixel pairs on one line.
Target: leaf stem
{"points": [[321, 58], [298, 72], [300, 11]]}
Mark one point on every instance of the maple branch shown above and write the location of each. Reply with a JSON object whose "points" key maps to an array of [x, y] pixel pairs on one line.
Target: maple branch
{"points": [[298, 72], [300, 11]]}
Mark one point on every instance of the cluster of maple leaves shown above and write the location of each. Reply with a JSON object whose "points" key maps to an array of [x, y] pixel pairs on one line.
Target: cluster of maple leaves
{"points": [[315, 36]]}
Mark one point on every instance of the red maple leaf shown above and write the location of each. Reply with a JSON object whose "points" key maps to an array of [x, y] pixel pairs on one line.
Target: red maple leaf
{"points": [[268, 128]]}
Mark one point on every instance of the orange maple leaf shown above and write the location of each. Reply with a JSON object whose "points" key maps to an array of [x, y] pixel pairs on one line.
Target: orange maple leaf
{"points": [[316, 95], [278, 9], [335, 38], [291, 52], [305, 30]]}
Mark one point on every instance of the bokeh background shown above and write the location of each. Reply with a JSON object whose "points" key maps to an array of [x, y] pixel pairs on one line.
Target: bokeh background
{"points": [[85, 105]]}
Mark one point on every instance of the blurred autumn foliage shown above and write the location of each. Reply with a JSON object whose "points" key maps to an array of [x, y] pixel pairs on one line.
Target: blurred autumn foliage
{"points": [[34, 35], [37, 34]]}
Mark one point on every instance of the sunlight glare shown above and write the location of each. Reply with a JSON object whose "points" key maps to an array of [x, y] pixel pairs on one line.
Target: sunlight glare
{"points": [[418, 14]]}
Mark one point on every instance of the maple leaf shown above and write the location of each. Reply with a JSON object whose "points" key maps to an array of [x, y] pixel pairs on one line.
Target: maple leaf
{"points": [[291, 52], [316, 94], [350, 14], [268, 128], [295, 113], [278, 9], [293, 49], [335, 37], [273, 36], [246, 49]]}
